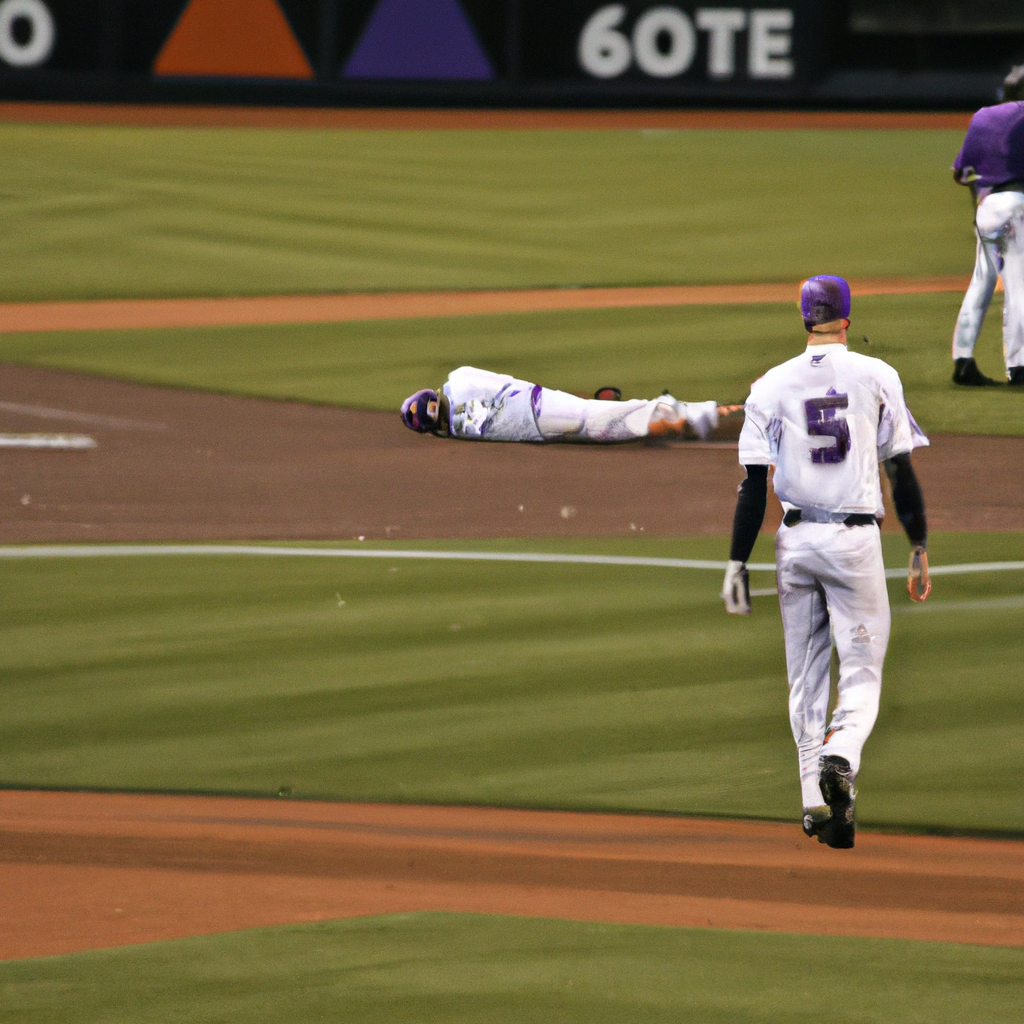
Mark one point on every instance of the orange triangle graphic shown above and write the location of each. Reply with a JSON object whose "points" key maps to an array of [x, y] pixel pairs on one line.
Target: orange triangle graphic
{"points": [[247, 38]]}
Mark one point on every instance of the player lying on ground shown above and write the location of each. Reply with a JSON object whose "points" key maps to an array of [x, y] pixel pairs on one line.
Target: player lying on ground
{"points": [[991, 164], [824, 420], [480, 405]]}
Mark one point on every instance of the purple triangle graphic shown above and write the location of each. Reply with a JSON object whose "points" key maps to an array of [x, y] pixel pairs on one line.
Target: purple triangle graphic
{"points": [[419, 39]]}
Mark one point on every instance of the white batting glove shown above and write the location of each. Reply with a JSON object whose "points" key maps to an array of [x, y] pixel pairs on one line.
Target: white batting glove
{"points": [[736, 588]]}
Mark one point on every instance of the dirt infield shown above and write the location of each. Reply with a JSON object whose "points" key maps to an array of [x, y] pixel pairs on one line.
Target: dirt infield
{"points": [[180, 465], [129, 314], [83, 871], [198, 116]]}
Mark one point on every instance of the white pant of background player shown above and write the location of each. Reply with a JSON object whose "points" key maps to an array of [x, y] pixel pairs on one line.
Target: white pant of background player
{"points": [[1000, 229], [832, 584]]}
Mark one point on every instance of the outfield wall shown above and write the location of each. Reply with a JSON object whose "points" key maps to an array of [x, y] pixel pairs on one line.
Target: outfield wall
{"points": [[483, 52]]}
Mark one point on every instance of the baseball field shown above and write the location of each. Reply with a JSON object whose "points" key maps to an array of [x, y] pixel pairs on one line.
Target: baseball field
{"points": [[309, 717]]}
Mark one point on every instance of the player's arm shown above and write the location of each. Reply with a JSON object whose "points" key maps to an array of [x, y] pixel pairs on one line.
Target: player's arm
{"points": [[746, 524], [909, 503]]}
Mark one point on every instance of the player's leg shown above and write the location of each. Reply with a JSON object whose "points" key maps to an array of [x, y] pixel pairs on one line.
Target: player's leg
{"points": [[859, 604], [564, 417], [1000, 221], [805, 623], [972, 314], [1013, 293]]}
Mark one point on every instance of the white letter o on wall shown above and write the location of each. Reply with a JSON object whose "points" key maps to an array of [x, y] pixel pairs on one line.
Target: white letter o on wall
{"points": [[38, 47], [682, 42]]}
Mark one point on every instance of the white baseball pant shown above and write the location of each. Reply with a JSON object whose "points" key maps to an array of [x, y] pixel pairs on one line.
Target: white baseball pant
{"points": [[1000, 227], [832, 589]]}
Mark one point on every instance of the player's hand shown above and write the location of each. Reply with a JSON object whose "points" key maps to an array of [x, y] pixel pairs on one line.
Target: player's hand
{"points": [[919, 584], [736, 588], [728, 410]]}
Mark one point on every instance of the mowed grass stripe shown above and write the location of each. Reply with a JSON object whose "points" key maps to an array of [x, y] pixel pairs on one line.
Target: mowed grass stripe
{"points": [[100, 212], [461, 968], [547, 685]]}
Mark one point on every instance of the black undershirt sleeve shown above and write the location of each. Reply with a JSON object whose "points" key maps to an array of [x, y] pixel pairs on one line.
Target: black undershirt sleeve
{"points": [[750, 506], [907, 498]]}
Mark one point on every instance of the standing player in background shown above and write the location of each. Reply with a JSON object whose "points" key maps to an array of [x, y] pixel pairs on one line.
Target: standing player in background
{"points": [[991, 164], [824, 420]]}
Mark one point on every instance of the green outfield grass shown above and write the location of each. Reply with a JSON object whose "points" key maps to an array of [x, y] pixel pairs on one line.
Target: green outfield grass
{"points": [[696, 352], [572, 686], [465, 969], [106, 212]]}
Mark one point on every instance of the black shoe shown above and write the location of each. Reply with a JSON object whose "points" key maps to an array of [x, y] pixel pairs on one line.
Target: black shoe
{"points": [[608, 395], [835, 776], [1016, 376], [965, 371]]}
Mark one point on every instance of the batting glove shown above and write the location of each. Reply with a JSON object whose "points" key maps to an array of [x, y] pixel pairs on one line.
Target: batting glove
{"points": [[736, 588], [919, 584]]}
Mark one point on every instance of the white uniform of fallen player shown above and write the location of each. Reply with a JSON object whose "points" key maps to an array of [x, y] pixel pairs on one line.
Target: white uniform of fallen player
{"points": [[497, 407], [824, 420]]}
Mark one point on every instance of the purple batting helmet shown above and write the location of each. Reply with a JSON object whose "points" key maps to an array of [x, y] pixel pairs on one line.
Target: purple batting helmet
{"points": [[824, 298], [420, 411]]}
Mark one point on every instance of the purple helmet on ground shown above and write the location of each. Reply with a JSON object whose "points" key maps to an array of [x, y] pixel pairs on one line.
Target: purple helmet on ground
{"points": [[824, 298], [420, 411]]}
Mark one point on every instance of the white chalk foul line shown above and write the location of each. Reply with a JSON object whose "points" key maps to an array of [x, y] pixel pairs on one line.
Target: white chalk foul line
{"points": [[46, 413], [129, 550], [258, 550], [46, 441]]}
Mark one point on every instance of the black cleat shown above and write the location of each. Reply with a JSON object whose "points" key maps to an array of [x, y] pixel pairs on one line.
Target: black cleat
{"points": [[610, 394], [835, 776], [966, 372], [1016, 376]]}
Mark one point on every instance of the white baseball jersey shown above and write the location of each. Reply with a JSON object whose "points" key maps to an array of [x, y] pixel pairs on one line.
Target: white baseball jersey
{"points": [[490, 406], [825, 419]]}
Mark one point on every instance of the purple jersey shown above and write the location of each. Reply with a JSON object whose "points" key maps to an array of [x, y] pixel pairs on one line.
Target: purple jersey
{"points": [[993, 149]]}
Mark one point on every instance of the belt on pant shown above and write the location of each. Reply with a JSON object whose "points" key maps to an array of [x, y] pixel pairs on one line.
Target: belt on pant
{"points": [[1010, 186], [794, 516]]}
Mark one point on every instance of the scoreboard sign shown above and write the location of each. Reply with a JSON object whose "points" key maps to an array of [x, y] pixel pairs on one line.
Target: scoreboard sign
{"points": [[685, 44], [675, 49]]}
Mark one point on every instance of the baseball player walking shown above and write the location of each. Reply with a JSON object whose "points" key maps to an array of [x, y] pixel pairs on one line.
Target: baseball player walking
{"points": [[824, 420], [991, 164]]}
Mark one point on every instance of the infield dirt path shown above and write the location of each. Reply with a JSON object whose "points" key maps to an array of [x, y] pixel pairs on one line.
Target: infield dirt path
{"points": [[82, 871], [128, 314], [200, 116]]}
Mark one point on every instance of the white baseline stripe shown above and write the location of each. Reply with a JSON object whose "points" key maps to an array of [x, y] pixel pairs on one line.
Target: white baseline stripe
{"points": [[130, 550], [127, 550], [46, 413]]}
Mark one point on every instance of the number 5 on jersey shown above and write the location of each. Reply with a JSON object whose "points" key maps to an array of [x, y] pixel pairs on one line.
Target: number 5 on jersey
{"points": [[824, 419]]}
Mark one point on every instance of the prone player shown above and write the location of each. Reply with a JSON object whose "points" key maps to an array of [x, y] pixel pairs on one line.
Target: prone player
{"points": [[480, 405]]}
